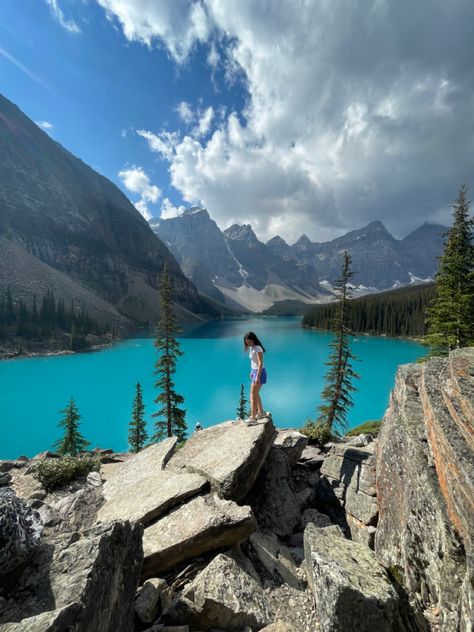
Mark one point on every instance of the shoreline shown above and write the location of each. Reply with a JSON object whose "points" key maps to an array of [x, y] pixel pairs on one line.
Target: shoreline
{"points": [[417, 339], [47, 353]]}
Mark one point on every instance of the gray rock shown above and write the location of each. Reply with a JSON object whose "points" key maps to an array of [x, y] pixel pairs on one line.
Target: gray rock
{"points": [[360, 532], [5, 479], [354, 467], [94, 479], [223, 596], [333, 492], [293, 443], [76, 511], [47, 454], [141, 489], [352, 591], [360, 440], [20, 531], [83, 582], [275, 558], [147, 603], [312, 453], [279, 626], [316, 517], [6, 466], [144, 500], [203, 524], [138, 467], [273, 499], [228, 455], [425, 483]]}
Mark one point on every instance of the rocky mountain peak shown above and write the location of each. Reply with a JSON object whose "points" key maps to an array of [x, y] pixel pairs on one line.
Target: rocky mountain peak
{"points": [[240, 232]]}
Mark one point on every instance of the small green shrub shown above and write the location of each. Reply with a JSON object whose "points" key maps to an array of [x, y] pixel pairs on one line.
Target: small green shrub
{"points": [[371, 427], [317, 432], [54, 473]]}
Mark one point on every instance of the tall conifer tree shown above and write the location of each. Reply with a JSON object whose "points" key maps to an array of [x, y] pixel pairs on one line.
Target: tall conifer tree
{"points": [[72, 441], [137, 434], [171, 416], [340, 375], [242, 407], [450, 318]]}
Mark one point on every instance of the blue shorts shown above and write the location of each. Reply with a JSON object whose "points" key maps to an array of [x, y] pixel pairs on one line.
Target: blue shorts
{"points": [[263, 376]]}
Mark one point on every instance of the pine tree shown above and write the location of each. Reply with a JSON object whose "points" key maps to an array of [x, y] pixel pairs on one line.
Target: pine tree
{"points": [[242, 407], [167, 330], [450, 318], [137, 434], [339, 378], [72, 441]]}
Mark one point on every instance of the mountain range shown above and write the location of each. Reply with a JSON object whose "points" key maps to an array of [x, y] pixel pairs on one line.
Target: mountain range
{"points": [[235, 268], [67, 228]]}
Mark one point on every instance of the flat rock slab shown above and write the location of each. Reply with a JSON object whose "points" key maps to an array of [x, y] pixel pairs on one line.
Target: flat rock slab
{"points": [[229, 455], [352, 590], [139, 467], [141, 489], [205, 523], [145, 499], [223, 596]]}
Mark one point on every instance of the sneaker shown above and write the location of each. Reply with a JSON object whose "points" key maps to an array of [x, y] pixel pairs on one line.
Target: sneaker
{"points": [[261, 416], [251, 421]]}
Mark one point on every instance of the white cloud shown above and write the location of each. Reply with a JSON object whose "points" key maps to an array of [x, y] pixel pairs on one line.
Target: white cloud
{"points": [[168, 210], [179, 23], [56, 10], [136, 180], [355, 111], [163, 143], [185, 112], [44, 124], [205, 121]]}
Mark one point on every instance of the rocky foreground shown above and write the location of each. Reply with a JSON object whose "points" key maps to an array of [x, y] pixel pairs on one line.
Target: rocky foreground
{"points": [[247, 528]]}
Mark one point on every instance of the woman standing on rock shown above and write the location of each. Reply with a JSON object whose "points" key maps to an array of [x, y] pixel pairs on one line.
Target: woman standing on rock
{"points": [[258, 376]]}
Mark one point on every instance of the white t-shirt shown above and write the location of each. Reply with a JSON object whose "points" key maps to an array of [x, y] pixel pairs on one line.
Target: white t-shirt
{"points": [[253, 355]]}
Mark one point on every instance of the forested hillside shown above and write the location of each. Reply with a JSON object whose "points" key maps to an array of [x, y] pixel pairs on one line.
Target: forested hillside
{"points": [[395, 313]]}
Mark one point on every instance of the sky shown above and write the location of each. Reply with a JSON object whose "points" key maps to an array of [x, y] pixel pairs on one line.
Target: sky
{"points": [[296, 116]]}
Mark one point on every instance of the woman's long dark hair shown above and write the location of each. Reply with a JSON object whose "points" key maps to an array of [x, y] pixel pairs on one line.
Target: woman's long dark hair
{"points": [[251, 336]]}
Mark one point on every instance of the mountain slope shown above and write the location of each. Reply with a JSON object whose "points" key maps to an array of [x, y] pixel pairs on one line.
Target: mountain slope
{"points": [[69, 217]]}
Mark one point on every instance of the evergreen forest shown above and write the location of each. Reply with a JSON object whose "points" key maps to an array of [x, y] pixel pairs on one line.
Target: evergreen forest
{"points": [[400, 312], [45, 317]]}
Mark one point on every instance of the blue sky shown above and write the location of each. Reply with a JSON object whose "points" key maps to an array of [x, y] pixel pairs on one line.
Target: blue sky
{"points": [[295, 116], [96, 88]]}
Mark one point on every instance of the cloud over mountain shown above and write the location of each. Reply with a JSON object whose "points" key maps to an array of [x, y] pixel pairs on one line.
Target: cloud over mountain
{"points": [[357, 110]]}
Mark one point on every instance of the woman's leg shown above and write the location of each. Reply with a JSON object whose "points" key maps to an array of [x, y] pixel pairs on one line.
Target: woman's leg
{"points": [[254, 397], [257, 406]]}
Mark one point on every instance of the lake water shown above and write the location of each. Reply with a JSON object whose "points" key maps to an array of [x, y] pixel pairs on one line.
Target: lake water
{"points": [[209, 375]]}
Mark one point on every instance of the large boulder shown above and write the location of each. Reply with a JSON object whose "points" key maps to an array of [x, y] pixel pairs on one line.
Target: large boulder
{"points": [[205, 523], [141, 489], [425, 486], [273, 498], [228, 455], [223, 596], [347, 488], [20, 531], [293, 443], [352, 590], [84, 582]]}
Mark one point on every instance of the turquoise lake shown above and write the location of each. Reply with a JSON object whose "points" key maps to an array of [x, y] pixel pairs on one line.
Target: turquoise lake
{"points": [[209, 375]]}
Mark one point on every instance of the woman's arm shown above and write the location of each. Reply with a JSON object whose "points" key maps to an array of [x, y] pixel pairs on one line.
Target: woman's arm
{"points": [[260, 365]]}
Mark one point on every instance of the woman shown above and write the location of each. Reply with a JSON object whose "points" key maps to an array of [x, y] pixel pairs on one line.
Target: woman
{"points": [[258, 376]]}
